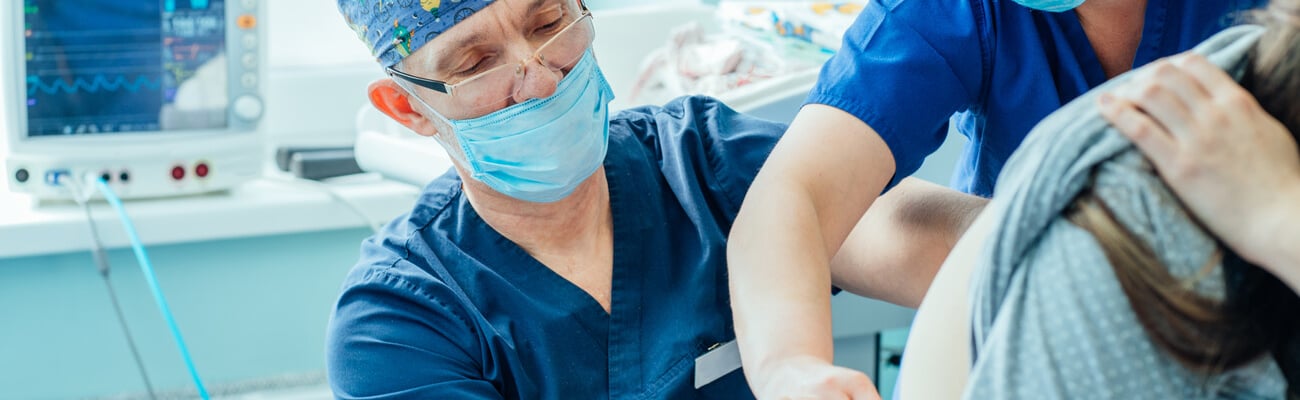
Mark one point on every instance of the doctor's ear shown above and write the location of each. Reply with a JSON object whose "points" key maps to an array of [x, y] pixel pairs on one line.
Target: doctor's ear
{"points": [[395, 102]]}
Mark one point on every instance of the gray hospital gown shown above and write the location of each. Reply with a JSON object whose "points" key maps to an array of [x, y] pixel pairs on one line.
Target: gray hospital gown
{"points": [[1049, 319]]}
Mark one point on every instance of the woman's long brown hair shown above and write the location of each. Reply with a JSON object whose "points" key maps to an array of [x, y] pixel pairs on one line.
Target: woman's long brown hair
{"points": [[1259, 314]]}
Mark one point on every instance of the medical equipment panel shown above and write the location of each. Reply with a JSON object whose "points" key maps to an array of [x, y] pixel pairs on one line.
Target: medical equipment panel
{"points": [[160, 98]]}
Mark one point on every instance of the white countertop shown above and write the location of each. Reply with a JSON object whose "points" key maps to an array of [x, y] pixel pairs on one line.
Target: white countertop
{"points": [[268, 206], [273, 206]]}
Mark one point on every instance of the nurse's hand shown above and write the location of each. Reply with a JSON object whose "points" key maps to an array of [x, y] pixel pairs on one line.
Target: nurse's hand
{"points": [[809, 378], [1233, 165]]}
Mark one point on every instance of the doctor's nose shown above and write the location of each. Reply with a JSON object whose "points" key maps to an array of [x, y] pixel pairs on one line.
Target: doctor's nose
{"points": [[536, 81]]}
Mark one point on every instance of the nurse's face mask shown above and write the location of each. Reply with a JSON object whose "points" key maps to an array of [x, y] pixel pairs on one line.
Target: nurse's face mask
{"points": [[539, 149]]}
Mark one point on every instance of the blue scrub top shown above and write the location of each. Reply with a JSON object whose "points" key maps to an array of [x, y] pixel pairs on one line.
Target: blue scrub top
{"points": [[913, 69], [441, 306]]}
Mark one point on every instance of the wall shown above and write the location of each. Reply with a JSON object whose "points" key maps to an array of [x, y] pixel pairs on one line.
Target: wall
{"points": [[250, 309]]}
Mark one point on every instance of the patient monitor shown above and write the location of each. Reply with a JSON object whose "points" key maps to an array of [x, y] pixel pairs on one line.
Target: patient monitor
{"points": [[158, 97]]}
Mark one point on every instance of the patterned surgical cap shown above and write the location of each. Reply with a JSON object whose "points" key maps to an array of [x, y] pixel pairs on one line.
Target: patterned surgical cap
{"points": [[396, 28]]}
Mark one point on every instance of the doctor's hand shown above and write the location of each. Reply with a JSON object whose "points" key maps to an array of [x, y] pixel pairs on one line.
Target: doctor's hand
{"points": [[1233, 165], [810, 378]]}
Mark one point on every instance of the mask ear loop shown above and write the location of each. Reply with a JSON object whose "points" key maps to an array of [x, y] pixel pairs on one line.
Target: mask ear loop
{"points": [[410, 92], [445, 127]]}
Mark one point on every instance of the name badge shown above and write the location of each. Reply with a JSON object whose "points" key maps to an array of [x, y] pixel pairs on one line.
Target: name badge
{"points": [[719, 361]]}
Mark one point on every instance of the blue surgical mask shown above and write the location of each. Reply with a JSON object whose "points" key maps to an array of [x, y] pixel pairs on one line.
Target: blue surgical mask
{"points": [[1051, 5], [540, 150]]}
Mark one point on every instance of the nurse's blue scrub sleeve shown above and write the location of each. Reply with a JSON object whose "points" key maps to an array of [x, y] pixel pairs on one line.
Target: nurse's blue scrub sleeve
{"points": [[443, 307], [988, 69], [904, 68]]}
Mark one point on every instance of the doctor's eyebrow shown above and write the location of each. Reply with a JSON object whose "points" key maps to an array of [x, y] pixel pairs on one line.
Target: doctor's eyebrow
{"points": [[444, 60], [446, 57], [537, 5]]}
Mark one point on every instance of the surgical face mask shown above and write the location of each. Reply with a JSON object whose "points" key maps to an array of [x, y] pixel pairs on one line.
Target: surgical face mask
{"points": [[1051, 5], [541, 149]]}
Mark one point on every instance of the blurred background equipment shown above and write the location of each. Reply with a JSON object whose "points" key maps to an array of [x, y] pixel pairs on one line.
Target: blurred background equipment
{"points": [[160, 98]]}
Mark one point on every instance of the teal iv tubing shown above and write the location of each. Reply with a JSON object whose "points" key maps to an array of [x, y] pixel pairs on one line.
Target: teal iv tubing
{"points": [[147, 268]]}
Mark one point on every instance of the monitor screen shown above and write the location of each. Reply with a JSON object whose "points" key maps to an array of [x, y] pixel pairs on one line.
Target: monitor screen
{"points": [[101, 67]]}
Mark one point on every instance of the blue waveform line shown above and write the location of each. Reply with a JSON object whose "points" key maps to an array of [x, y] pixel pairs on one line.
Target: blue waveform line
{"points": [[170, 5], [95, 84]]}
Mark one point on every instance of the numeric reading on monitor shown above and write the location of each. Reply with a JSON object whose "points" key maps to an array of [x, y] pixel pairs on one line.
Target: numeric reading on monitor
{"points": [[124, 66]]}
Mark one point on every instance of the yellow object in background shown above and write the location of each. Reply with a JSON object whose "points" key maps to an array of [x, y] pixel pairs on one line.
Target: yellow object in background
{"points": [[848, 8], [818, 23]]}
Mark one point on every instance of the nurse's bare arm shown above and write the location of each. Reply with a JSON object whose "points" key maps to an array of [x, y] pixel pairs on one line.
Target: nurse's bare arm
{"points": [[896, 248], [814, 188]]}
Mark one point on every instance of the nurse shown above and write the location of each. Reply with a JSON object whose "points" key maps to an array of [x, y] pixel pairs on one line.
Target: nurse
{"points": [[569, 254], [908, 72]]}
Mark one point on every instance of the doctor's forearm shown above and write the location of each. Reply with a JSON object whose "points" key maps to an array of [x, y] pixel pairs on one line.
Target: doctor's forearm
{"points": [[896, 249]]}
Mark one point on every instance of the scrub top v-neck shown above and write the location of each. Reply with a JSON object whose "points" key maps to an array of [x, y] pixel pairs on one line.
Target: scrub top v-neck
{"points": [[988, 69], [443, 306]]}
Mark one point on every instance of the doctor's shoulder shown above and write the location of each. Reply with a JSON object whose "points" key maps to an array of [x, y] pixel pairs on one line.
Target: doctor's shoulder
{"points": [[390, 317], [694, 121], [400, 264], [398, 308]]}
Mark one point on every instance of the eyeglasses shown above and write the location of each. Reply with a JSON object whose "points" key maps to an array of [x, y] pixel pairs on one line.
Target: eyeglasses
{"points": [[487, 91]]}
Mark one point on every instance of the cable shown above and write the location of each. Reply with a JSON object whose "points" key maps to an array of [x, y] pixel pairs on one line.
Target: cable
{"points": [[321, 187], [149, 276], [101, 261], [130, 341]]}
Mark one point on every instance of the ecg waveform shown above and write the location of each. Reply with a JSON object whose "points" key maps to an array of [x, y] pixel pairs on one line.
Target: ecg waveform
{"points": [[170, 5], [93, 85], [107, 66]]}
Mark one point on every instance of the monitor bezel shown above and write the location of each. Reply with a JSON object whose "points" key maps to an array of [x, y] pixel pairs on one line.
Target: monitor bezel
{"points": [[236, 127]]}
